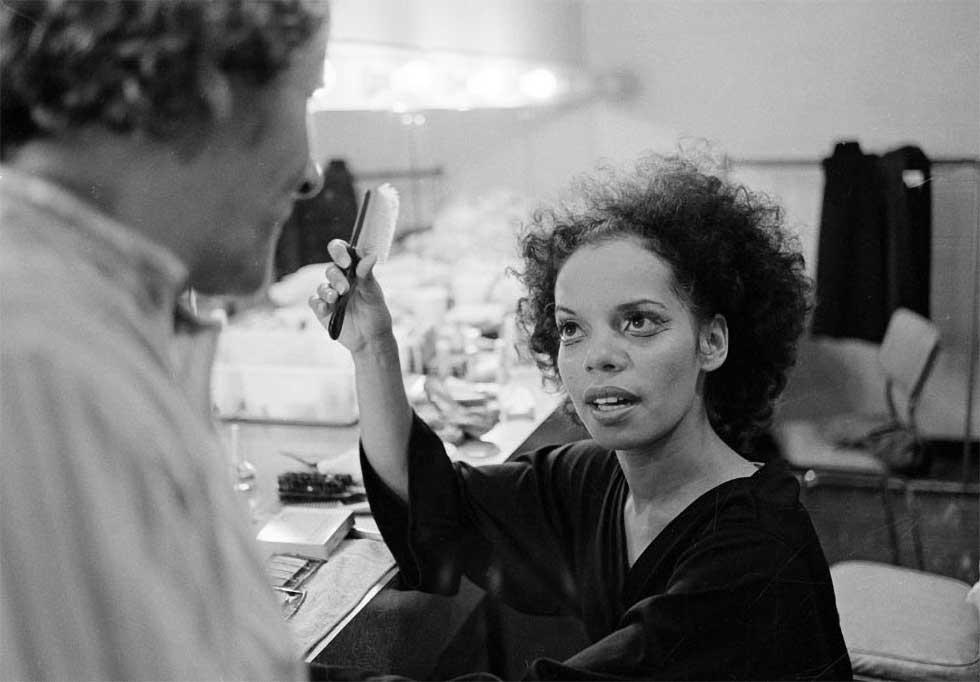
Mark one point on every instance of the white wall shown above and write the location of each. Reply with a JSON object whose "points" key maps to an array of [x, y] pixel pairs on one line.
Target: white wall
{"points": [[760, 78], [781, 78], [513, 28]]}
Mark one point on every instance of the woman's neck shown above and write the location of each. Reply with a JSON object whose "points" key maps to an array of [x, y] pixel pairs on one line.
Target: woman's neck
{"points": [[681, 466], [669, 476]]}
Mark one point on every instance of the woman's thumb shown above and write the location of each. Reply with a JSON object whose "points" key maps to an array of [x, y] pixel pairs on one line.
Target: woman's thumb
{"points": [[366, 266]]}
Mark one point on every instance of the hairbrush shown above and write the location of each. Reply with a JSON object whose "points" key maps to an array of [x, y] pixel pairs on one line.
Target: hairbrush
{"points": [[374, 230]]}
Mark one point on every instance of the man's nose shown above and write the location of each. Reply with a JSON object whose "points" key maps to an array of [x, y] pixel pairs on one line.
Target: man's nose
{"points": [[312, 181]]}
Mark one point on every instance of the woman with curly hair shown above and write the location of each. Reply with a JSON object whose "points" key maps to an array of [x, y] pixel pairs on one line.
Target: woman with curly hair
{"points": [[667, 304], [148, 146]]}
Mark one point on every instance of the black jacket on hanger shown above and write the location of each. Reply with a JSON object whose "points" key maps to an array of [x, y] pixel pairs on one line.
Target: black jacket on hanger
{"points": [[908, 215], [875, 241]]}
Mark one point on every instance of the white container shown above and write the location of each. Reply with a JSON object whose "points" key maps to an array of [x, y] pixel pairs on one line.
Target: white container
{"points": [[288, 393], [283, 374], [281, 347]]}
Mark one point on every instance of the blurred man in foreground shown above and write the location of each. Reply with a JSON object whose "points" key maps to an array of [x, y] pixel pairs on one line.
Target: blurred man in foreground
{"points": [[147, 147]]}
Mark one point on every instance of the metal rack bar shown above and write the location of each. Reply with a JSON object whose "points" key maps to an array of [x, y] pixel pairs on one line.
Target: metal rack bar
{"points": [[807, 161], [394, 173]]}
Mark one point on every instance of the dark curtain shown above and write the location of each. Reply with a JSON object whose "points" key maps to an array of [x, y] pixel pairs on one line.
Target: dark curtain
{"points": [[315, 221], [875, 240]]}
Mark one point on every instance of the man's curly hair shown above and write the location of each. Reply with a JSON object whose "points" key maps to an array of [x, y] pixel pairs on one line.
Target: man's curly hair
{"points": [[155, 66], [730, 256]]}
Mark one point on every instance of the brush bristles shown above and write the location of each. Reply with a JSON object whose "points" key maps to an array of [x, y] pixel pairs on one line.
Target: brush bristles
{"points": [[379, 223]]}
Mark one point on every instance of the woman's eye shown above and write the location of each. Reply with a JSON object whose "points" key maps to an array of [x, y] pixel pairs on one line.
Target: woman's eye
{"points": [[567, 330], [640, 323]]}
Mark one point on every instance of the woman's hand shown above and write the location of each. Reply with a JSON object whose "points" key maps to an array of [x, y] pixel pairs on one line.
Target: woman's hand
{"points": [[367, 318]]}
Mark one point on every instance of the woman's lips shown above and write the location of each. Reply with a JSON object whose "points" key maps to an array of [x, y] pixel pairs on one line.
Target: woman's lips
{"points": [[609, 404], [609, 394]]}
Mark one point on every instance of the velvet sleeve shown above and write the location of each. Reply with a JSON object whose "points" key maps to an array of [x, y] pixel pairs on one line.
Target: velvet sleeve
{"points": [[508, 527]]}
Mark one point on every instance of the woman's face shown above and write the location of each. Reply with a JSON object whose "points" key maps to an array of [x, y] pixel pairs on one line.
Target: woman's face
{"points": [[628, 354]]}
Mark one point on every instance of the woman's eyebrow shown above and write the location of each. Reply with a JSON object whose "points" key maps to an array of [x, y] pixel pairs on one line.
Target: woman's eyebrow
{"points": [[639, 303], [563, 309]]}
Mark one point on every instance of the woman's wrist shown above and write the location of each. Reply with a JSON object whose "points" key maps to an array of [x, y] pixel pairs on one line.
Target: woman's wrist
{"points": [[376, 349]]}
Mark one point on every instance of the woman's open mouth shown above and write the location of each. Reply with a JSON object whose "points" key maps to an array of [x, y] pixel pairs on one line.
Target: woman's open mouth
{"points": [[608, 404]]}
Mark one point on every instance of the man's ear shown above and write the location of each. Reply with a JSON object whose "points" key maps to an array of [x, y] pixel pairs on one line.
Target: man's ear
{"points": [[713, 343]]}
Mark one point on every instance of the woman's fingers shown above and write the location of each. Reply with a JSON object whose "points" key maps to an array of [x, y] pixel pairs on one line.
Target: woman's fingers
{"points": [[319, 307], [337, 248], [327, 293], [336, 278], [324, 301]]}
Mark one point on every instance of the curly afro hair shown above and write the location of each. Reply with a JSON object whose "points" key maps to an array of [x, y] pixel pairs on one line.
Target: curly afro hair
{"points": [[138, 65], [730, 256]]}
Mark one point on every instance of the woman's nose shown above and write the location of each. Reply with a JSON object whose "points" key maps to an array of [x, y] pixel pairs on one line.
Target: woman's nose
{"points": [[604, 355], [312, 181]]}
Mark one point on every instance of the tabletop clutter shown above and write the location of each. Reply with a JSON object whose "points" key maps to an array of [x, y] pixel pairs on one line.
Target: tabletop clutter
{"points": [[452, 301]]}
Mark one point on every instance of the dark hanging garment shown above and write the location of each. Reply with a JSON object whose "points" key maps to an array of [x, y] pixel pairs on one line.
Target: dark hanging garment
{"points": [[851, 248], [907, 198], [875, 241], [315, 221]]}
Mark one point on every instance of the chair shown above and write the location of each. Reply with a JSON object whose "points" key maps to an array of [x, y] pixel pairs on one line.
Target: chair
{"points": [[902, 624], [873, 450]]}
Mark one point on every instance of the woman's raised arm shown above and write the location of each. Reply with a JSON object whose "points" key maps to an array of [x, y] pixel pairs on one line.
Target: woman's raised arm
{"points": [[385, 413]]}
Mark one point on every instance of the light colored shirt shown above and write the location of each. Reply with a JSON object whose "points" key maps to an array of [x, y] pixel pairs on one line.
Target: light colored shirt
{"points": [[124, 551]]}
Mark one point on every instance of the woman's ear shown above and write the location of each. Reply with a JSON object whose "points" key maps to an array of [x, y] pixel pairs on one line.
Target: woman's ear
{"points": [[713, 343]]}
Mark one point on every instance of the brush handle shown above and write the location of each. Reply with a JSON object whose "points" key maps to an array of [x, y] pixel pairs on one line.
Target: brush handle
{"points": [[337, 318]]}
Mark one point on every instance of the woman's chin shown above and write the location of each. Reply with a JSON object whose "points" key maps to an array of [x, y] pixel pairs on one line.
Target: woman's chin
{"points": [[616, 439]]}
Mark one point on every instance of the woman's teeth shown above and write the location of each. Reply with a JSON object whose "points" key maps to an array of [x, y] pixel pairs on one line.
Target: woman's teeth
{"points": [[609, 403]]}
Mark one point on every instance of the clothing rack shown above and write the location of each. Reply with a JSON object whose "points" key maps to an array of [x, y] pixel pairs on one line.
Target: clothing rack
{"points": [[790, 162], [400, 173], [974, 342]]}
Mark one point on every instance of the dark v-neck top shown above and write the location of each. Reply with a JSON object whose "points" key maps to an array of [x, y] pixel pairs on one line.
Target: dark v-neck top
{"points": [[736, 586]]}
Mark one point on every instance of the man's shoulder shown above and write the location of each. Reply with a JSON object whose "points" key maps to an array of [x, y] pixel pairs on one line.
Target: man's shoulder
{"points": [[52, 304], [67, 338], [74, 363], [45, 320]]}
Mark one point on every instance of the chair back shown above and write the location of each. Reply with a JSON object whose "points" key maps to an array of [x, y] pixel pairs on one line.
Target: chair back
{"points": [[907, 355]]}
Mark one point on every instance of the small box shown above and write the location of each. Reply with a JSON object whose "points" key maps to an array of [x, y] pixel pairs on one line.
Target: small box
{"points": [[312, 532]]}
